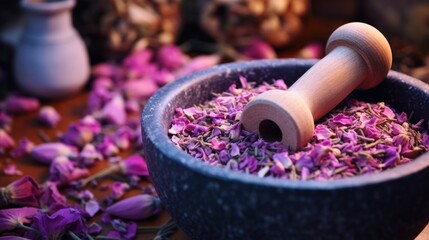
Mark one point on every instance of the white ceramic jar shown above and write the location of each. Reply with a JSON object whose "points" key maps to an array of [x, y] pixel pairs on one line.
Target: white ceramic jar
{"points": [[51, 59]]}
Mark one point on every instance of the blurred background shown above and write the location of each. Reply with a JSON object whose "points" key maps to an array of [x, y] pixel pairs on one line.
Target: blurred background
{"points": [[111, 29]]}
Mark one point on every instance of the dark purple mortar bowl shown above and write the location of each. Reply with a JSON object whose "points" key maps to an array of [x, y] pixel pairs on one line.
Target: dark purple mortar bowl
{"points": [[209, 202]]}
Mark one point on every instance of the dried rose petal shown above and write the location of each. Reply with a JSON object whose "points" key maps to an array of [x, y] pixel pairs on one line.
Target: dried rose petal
{"points": [[171, 57], [91, 207], [49, 116], [51, 199], [24, 147], [20, 104], [139, 89], [89, 155], [12, 170], [258, 49], [77, 135], [114, 111], [107, 147], [63, 171]]}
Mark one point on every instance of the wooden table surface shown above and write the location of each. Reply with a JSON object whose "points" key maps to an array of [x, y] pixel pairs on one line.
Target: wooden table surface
{"points": [[71, 110]]}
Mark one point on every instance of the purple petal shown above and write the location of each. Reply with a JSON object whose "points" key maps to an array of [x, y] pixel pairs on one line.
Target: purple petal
{"points": [[12, 170], [114, 111], [92, 207], [19, 104], [322, 132], [51, 199], [12, 217], [49, 116], [140, 89], [24, 147], [63, 171], [171, 57], [57, 225]]}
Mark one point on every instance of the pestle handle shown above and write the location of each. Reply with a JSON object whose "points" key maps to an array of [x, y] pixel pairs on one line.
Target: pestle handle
{"points": [[358, 56]]}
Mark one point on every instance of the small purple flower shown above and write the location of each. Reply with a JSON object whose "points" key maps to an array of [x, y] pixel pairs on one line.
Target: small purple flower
{"points": [[51, 200], [134, 165], [114, 111], [20, 104], [138, 207], [13, 218], [49, 116], [171, 57], [63, 171], [22, 192], [57, 225], [6, 141], [47, 152]]}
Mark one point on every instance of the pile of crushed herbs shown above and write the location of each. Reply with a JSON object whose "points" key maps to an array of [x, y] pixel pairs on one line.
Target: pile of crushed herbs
{"points": [[354, 139]]}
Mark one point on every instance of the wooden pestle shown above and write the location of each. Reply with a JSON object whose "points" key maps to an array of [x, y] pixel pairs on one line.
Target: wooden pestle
{"points": [[358, 56]]}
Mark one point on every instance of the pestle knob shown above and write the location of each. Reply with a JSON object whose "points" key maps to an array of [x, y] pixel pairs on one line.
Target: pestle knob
{"points": [[358, 56]]}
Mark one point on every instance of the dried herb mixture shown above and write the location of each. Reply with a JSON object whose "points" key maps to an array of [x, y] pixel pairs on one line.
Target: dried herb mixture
{"points": [[354, 139]]}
